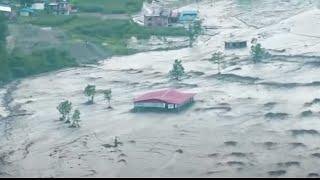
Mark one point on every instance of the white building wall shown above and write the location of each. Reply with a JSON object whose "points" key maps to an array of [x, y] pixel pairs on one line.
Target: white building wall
{"points": [[150, 105], [38, 6], [5, 8]]}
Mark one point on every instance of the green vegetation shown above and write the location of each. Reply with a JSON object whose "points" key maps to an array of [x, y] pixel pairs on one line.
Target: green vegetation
{"points": [[64, 109], [22, 65], [216, 58], [75, 119], [18, 64], [109, 6], [108, 96], [257, 53], [4, 64], [194, 30], [90, 92], [111, 34], [177, 70]]}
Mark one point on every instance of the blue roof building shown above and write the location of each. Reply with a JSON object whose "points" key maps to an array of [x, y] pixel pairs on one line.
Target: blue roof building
{"points": [[188, 16], [26, 11]]}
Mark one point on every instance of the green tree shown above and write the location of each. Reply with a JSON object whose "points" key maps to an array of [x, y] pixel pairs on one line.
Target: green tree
{"points": [[64, 109], [194, 29], [90, 92], [75, 119], [257, 53], [177, 70], [108, 96], [4, 63], [217, 58]]}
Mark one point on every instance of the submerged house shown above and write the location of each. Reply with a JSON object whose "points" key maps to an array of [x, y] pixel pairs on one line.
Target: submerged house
{"points": [[38, 5], [169, 99], [235, 44]]}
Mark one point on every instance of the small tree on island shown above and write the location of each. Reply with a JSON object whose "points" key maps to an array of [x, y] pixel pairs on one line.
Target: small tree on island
{"points": [[217, 58], [90, 92], [177, 70], [75, 119], [64, 109], [108, 96], [257, 53]]}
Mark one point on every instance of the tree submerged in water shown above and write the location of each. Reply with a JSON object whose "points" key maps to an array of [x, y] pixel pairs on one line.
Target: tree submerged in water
{"points": [[64, 109], [217, 58], [90, 92], [177, 70], [108, 95], [194, 30], [258, 53], [75, 119]]}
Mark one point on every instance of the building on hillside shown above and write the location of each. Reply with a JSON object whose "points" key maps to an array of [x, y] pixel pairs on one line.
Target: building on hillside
{"points": [[26, 12], [235, 44], [163, 100], [38, 5], [5, 9], [174, 17], [157, 18], [188, 16], [59, 7]]}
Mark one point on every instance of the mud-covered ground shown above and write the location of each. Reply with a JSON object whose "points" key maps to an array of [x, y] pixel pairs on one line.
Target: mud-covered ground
{"points": [[253, 120]]}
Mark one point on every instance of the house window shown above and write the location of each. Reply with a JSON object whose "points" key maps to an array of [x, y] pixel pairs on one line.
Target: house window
{"points": [[170, 106]]}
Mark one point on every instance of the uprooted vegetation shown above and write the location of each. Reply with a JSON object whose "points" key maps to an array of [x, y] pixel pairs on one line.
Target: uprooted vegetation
{"points": [[315, 101], [299, 132], [281, 116]]}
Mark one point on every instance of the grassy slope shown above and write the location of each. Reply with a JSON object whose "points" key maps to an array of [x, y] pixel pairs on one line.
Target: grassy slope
{"points": [[109, 6], [112, 33]]}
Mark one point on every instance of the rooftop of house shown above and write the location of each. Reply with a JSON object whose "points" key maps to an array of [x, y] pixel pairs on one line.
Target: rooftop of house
{"points": [[168, 96], [189, 12], [5, 8], [26, 9]]}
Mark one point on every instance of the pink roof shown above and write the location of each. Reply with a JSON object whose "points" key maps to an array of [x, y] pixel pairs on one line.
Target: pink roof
{"points": [[169, 96]]}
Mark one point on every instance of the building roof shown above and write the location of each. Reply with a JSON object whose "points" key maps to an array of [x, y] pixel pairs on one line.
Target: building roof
{"points": [[5, 8], [188, 15], [189, 12], [27, 10], [168, 95]]}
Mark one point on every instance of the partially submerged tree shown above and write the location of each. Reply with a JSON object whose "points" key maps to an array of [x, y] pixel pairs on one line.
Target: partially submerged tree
{"points": [[64, 109], [257, 52], [194, 29], [90, 92], [217, 58], [177, 70], [108, 95], [75, 119]]}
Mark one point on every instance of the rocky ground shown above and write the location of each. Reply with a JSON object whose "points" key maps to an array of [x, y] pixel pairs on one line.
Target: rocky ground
{"points": [[253, 120]]}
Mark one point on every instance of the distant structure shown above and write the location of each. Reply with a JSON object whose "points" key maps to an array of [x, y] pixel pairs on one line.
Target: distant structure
{"points": [[59, 7], [163, 100], [5, 9], [157, 16], [187, 16], [235, 44], [26, 11]]}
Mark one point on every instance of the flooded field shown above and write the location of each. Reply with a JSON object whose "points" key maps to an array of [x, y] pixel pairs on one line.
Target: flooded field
{"points": [[253, 120]]}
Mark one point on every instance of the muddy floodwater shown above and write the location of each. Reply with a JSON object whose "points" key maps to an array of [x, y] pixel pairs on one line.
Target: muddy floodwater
{"points": [[253, 120]]}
